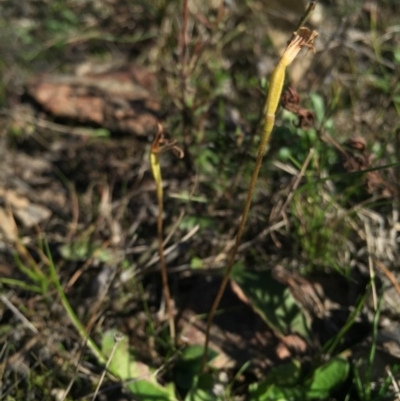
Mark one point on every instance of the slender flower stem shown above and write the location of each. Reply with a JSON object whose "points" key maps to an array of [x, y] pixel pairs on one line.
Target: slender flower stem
{"points": [[156, 170], [302, 37]]}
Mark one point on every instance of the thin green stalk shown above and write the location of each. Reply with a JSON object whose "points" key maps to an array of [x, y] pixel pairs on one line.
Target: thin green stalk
{"points": [[302, 37], [21, 284], [368, 376], [74, 319], [331, 345]]}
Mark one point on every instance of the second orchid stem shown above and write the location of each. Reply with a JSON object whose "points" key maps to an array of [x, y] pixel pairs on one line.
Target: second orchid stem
{"points": [[301, 38]]}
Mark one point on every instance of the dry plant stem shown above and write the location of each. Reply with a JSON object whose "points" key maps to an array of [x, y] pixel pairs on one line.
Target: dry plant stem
{"points": [[164, 274], [183, 45], [368, 236], [302, 37], [296, 183], [18, 314], [388, 274], [117, 338], [156, 170], [306, 15], [183, 78], [394, 382]]}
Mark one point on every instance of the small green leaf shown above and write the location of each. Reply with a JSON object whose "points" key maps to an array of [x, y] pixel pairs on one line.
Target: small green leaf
{"points": [[323, 382], [145, 390], [198, 394], [284, 375], [318, 106], [120, 364], [287, 374], [125, 367], [99, 133], [196, 263], [189, 197], [272, 300], [189, 364], [202, 389], [271, 392], [78, 250], [85, 249], [190, 222], [327, 378]]}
